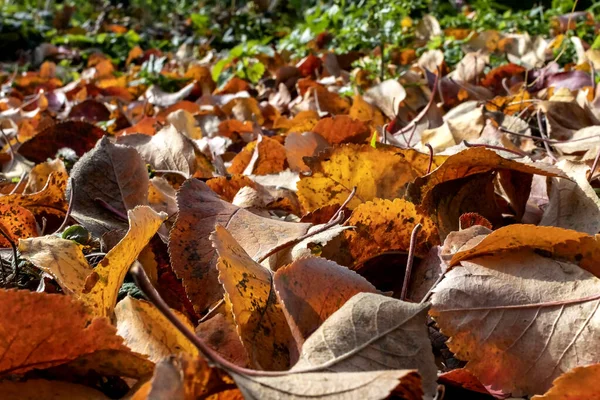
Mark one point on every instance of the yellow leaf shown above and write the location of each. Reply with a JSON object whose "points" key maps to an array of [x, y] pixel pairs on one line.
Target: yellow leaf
{"points": [[60, 258], [377, 173], [577, 383], [106, 279], [249, 293], [148, 332]]}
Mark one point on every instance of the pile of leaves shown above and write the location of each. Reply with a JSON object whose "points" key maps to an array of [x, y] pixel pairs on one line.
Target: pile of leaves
{"points": [[258, 224]]}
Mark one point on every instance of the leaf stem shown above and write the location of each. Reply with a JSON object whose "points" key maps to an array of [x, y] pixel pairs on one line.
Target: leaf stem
{"points": [[409, 262], [430, 157], [69, 208]]}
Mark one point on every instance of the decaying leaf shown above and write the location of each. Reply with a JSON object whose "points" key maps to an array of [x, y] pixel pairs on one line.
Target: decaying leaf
{"points": [[564, 244], [258, 314], [387, 225], [113, 175], [519, 319], [17, 222], [50, 200], [380, 172]]}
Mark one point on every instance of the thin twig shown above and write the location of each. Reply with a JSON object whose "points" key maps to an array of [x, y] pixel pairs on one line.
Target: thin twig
{"points": [[14, 249], [44, 223], [492, 147], [337, 218], [542, 134], [10, 146], [594, 166], [430, 157], [423, 112], [409, 262], [293, 242], [21, 180], [69, 208]]}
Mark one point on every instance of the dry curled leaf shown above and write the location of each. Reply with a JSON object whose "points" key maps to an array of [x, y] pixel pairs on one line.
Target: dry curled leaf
{"points": [[17, 222], [380, 172], [167, 150], [261, 157], [564, 244], [48, 201], [519, 319]]}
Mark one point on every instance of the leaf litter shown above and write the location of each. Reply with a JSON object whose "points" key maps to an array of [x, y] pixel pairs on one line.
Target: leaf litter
{"points": [[272, 226]]}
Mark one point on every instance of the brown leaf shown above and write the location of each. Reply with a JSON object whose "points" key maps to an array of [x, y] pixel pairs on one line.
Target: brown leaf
{"points": [[63, 332], [244, 109], [342, 129], [271, 158], [387, 96], [249, 293], [116, 175], [311, 289], [77, 135], [192, 255], [90, 111], [220, 333], [380, 172], [578, 383], [519, 319], [371, 332], [299, 145], [167, 150]]}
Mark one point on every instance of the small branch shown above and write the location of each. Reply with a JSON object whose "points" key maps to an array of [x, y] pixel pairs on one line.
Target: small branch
{"points": [[21, 180], [14, 249], [409, 262], [542, 134], [344, 204], [423, 112], [69, 208], [430, 157]]}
